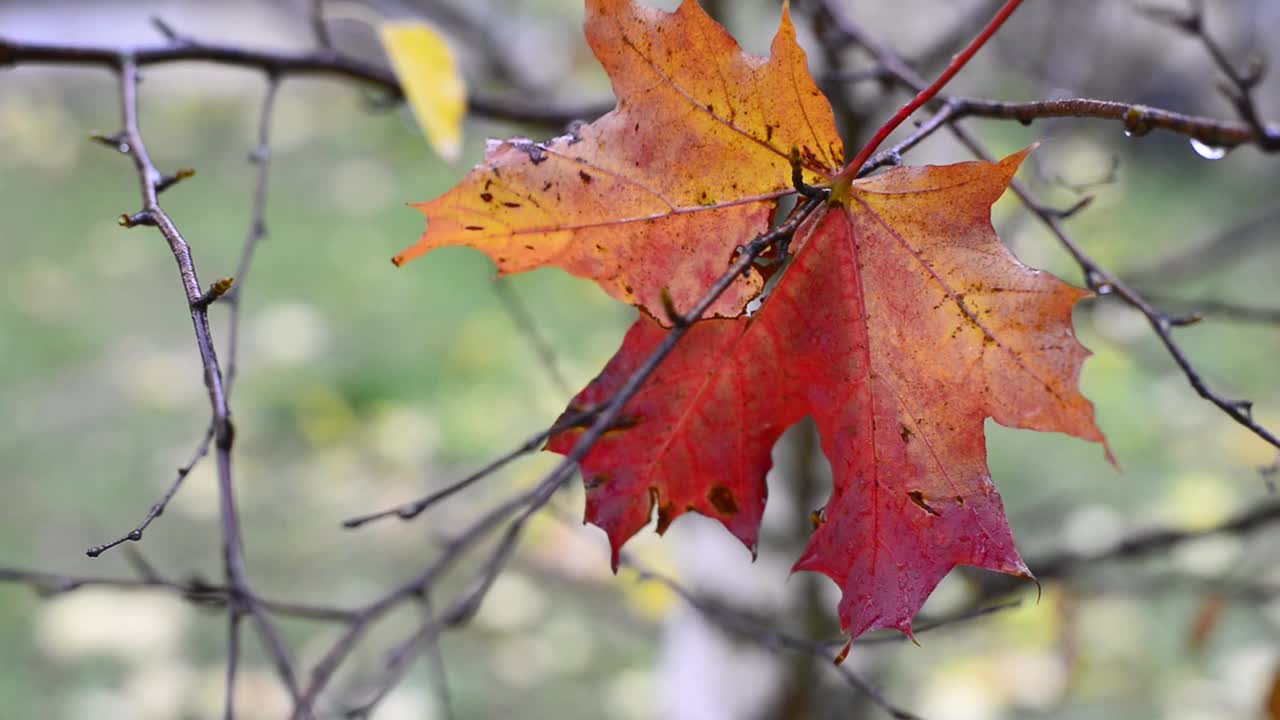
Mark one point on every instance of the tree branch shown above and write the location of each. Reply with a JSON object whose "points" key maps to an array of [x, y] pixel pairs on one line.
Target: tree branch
{"points": [[241, 600], [195, 591], [1136, 119], [278, 63]]}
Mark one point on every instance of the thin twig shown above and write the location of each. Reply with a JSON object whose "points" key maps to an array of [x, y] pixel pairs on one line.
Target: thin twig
{"points": [[1225, 246], [319, 27], [196, 591], [241, 598], [767, 637], [1068, 564], [1221, 310], [893, 156], [524, 323], [410, 510], [398, 662], [158, 508], [261, 159]]}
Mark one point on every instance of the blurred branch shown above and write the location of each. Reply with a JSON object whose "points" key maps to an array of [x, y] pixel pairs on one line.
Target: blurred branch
{"points": [[1098, 278], [1066, 564], [1223, 247], [196, 591], [398, 662], [319, 27], [260, 157], [525, 324], [1221, 310], [534, 443], [1146, 542], [765, 636], [321, 61]]}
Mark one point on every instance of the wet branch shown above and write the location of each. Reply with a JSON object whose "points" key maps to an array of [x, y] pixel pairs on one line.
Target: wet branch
{"points": [[1098, 278]]}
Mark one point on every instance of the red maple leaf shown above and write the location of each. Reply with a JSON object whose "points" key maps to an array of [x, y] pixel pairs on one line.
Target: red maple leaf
{"points": [[900, 326]]}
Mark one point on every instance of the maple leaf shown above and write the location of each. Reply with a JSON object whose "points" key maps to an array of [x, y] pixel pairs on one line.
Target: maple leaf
{"points": [[900, 326], [657, 194]]}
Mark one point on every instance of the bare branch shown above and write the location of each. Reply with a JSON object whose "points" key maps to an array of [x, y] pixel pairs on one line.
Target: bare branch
{"points": [[241, 598], [281, 64], [261, 159], [195, 591]]}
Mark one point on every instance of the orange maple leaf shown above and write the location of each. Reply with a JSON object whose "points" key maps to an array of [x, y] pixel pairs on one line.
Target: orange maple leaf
{"points": [[659, 192]]}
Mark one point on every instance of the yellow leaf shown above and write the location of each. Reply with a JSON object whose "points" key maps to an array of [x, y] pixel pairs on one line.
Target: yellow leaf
{"points": [[429, 75]]}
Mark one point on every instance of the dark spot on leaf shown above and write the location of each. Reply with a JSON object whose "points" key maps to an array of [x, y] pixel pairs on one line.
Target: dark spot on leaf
{"points": [[722, 499], [917, 497], [487, 197], [511, 204], [768, 133], [626, 421], [528, 247], [474, 227], [817, 517], [596, 481], [666, 513], [959, 500], [905, 432], [546, 186], [586, 178]]}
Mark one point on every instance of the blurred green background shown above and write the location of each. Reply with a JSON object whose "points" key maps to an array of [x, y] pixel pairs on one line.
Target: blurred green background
{"points": [[363, 386]]}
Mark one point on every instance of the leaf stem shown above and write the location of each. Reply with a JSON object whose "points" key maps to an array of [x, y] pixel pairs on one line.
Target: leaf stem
{"points": [[850, 171]]}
